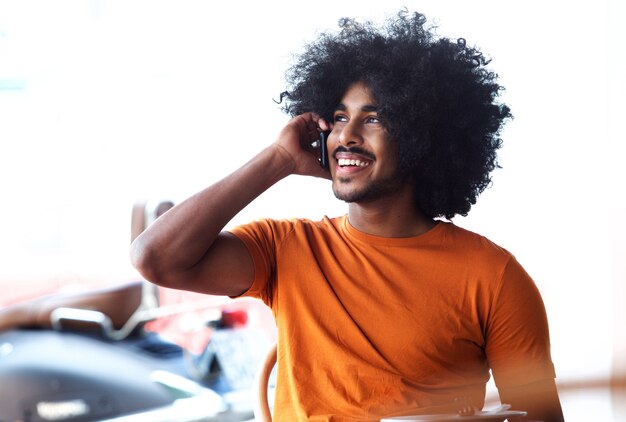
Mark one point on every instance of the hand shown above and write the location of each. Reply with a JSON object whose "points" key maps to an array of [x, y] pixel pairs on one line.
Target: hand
{"points": [[296, 138]]}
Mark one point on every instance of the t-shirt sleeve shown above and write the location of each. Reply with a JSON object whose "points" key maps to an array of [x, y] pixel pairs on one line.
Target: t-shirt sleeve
{"points": [[517, 333], [259, 237]]}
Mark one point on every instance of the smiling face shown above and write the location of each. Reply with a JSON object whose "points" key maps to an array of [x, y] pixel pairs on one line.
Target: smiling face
{"points": [[365, 165]]}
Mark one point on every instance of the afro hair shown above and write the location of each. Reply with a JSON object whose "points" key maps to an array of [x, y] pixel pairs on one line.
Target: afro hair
{"points": [[436, 96]]}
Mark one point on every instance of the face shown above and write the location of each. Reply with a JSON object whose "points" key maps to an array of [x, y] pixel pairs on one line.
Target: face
{"points": [[365, 164]]}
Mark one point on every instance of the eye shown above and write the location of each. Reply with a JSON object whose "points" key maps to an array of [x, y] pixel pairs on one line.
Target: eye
{"points": [[340, 118], [372, 119]]}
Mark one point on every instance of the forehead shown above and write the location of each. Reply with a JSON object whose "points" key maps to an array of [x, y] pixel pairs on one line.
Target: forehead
{"points": [[358, 95]]}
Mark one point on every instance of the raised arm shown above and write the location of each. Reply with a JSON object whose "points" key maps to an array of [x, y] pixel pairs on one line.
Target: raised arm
{"points": [[186, 248]]}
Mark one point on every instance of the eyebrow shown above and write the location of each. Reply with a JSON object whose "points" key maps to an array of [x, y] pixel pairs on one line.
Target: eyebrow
{"points": [[366, 108]]}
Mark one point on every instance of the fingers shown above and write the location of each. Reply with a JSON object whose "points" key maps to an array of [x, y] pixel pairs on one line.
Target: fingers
{"points": [[308, 128], [320, 122], [300, 138], [323, 124]]}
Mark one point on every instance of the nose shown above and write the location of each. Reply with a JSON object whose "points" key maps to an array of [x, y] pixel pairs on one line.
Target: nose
{"points": [[350, 135]]}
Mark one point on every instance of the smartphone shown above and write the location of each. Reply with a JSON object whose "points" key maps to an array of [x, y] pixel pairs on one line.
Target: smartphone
{"points": [[323, 149]]}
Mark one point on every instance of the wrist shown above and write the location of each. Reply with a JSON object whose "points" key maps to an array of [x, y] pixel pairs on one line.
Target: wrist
{"points": [[281, 163]]}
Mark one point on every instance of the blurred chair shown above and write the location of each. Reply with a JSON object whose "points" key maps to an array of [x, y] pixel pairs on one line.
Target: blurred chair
{"points": [[144, 213], [262, 412], [119, 308]]}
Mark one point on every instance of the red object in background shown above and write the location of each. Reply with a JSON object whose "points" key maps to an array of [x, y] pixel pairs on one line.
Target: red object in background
{"points": [[193, 329], [234, 318]]}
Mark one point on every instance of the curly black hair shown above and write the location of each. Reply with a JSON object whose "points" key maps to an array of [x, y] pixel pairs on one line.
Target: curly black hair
{"points": [[437, 99]]}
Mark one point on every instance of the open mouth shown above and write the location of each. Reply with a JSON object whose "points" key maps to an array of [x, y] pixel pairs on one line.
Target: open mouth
{"points": [[347, 162]]}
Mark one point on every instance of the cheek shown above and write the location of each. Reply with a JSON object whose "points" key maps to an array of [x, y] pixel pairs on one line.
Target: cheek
{"points": [[390, 159], [332, 143]]}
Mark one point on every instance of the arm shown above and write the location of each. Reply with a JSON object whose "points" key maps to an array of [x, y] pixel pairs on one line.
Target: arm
{"points": [[540, 399], [518, 348], [186, 247]]}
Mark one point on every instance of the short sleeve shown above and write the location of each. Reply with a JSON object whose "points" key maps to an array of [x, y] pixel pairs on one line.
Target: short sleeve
{"points": [[517, 334], [259, 239]]}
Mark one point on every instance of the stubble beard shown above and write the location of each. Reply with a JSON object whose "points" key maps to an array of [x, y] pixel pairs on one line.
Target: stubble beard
{"points": [[376, 190]]}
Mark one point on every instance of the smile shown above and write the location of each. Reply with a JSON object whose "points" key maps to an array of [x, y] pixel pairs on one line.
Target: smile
{"points": [[343, 162]]}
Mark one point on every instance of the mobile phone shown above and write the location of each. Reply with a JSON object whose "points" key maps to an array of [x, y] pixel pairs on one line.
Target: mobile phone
{"points": [[323, 149]]}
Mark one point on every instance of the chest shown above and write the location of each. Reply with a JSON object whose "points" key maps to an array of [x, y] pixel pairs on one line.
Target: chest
{"points": [[403, 306]]}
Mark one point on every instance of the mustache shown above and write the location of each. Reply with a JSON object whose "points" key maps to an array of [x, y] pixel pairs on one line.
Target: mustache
{"points": [[354, 150]]}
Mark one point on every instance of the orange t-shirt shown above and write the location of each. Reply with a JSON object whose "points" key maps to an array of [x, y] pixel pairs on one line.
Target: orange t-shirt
{"points": [[371, 327]]}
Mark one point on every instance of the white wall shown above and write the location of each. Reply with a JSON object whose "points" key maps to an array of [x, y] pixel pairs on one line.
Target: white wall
{"points": [[106, 102]]}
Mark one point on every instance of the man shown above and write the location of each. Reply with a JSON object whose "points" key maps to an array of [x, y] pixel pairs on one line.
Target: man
{"points": [[390, 309]]}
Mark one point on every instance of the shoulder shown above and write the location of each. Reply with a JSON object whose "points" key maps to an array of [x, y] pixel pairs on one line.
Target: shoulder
{"points": [[512, 281], [488, 261], [472, 242], [285, 228]]}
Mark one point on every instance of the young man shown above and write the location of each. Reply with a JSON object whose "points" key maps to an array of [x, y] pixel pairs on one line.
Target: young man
{"points": [[389, 309]]}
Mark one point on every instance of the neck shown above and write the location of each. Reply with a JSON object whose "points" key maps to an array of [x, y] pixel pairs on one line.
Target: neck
{"points": [[389, 217]]}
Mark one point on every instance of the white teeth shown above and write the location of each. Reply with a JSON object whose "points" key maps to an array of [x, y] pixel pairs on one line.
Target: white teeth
{"points": [[347, 162]]}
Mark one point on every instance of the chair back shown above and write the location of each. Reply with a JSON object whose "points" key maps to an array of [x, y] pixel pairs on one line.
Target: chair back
{"points": [[262, 412]]}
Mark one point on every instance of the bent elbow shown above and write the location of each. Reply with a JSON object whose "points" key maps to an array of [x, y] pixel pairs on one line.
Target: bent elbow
{"points": [[145, 260]]}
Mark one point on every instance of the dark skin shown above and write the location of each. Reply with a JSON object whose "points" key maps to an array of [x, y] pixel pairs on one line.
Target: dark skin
{"points": [[187, 249], [540, 399]]}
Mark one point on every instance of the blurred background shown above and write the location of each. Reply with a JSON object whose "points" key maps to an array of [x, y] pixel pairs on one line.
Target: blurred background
{"points": [[106, 102]]}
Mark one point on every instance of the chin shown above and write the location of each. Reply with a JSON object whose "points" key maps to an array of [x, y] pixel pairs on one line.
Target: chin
{"points": [[380, 189], [352, 195]]}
